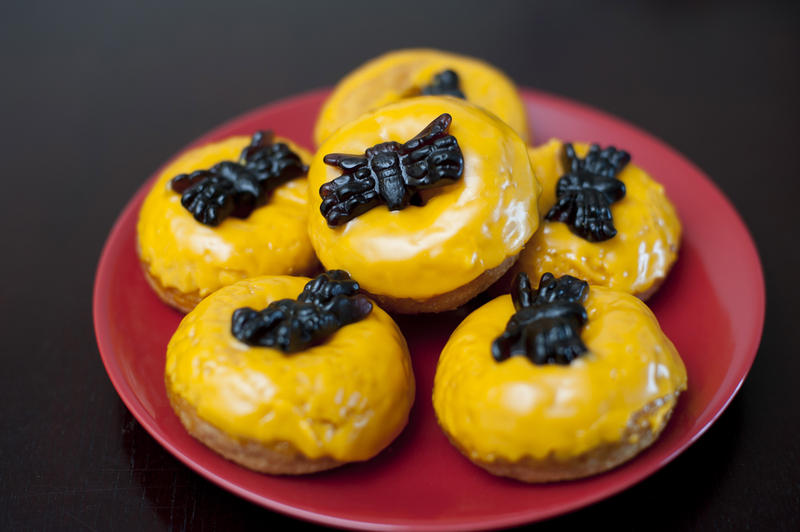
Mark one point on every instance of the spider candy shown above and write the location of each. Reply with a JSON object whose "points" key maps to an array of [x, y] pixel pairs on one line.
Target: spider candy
{"points": [[327, 303], [392, 173], [585, 193], [444, 83], [237, 188], [546, 325]]}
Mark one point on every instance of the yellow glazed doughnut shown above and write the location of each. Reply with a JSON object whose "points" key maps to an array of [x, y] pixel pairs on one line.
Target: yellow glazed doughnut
{"points": [[436, 256], [185, 260], [548, 422], [340, 401], [636, 260], [403, 73]]}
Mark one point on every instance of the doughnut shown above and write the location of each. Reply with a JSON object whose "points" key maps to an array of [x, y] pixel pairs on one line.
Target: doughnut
{"points": [[407, 73], [636, 259], [557, 383], [256, 373], [426, 202], [184, 259]]}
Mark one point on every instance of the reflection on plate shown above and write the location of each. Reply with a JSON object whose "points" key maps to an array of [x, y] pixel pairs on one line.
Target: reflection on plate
{"points": [[711, 307]]}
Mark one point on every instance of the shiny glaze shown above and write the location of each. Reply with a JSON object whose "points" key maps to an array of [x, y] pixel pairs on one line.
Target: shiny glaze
{"points": [[463, 229], [347, 398], [403, 73], [184, 254], [642, 252], [515, 409]]}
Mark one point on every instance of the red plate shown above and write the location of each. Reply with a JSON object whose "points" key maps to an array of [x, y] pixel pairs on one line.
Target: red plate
{"points": [[712, 307]]}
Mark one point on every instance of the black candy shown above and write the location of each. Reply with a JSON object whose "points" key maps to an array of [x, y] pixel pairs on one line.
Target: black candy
{"points": [[445, 83], [391, 173], [585, 193], [327, 303], [547, 323], [237, 188]]}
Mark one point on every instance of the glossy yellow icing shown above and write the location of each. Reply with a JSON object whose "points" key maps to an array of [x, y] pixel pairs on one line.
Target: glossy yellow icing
{"points": [[642, 252], [184, 254], [346, 398], [463, 229], [515, 409], [400, 74]]}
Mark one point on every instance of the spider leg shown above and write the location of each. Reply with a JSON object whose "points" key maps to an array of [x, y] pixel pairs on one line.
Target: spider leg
{"points": [[437, 128], [259, 140], [182, 182], [521, 291], [564, 209], [344, 161], [613, 189]]}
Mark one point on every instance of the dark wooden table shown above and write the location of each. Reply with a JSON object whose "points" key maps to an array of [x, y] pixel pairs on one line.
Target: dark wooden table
{"points": [[96, 96]]}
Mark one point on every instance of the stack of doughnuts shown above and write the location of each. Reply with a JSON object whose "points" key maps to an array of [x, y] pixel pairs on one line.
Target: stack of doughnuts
{"points": [[423, 193]]}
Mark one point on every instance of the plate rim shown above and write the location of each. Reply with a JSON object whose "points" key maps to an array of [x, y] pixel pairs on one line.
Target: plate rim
{"points": [[101, 320]]}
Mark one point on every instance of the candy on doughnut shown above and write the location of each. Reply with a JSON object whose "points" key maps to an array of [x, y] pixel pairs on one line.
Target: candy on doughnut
{"points": [[647, 232], [559, 383], [223, 212], [408, 73], [426, 202], [286, 375]]}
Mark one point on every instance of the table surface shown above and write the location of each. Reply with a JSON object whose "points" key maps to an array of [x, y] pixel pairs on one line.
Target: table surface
{"points": [[96, 96]]}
